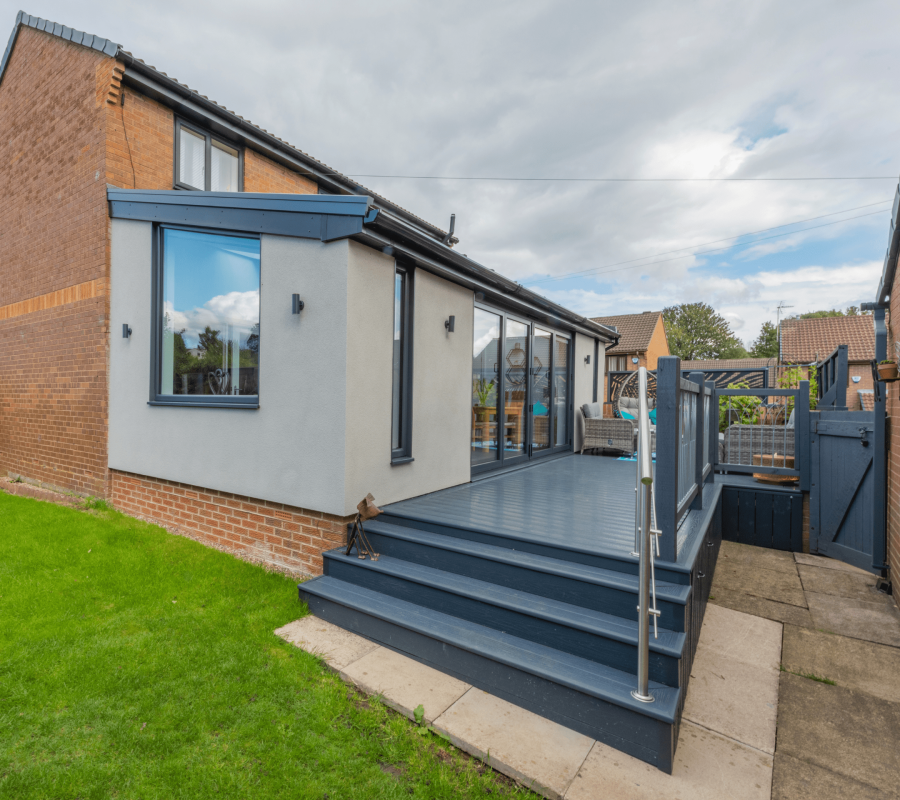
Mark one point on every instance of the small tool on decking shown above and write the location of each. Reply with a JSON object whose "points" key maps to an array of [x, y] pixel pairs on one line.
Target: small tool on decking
{"points": [[365, 510]]}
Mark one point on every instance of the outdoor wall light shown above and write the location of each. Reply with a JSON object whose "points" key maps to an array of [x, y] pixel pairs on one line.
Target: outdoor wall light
{"points": [[296, 304], [587, 359], [126, 331], [856, 379], [450, 324]]}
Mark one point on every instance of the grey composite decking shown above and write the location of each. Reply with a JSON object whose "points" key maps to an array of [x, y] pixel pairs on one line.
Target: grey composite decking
{"points": [[584, 502]]}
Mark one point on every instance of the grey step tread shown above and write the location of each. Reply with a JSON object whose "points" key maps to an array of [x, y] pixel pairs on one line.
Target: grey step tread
{"points": [[669, 643], [578, 674], [672, 592]]}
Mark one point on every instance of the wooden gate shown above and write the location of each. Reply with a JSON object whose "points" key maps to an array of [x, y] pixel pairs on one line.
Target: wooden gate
{"points": [[842, 486]]}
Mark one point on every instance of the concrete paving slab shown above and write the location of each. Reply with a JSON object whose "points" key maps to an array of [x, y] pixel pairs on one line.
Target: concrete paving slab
{"points": [[783, 587], [733, 698], [826, 563], [760, 606], [855, 585], [859, 619], [530, 749], [841, 730], [852, 663], [707, 767], [798, 780], [405, 683], [761, 557], [741, 636], [337, 646]]}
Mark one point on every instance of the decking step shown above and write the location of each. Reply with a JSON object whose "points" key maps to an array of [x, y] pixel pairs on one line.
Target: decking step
{"points": [[584, 632], [600, 556], [600, 589], [591, 698]]}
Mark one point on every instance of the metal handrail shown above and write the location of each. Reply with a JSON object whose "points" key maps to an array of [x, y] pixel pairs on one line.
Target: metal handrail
{"points": [[644, 550]]}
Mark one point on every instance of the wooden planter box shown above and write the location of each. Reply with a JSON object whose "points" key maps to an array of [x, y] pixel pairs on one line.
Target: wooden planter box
{"points": [[777, 460]]}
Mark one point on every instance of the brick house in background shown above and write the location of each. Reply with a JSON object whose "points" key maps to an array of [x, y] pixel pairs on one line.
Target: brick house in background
{"points": [[122, 186], [642, 340], [807, 341]]}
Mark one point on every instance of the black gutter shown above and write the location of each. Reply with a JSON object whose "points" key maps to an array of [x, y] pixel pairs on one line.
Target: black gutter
{"points": [[437, 257], [886, 285]]}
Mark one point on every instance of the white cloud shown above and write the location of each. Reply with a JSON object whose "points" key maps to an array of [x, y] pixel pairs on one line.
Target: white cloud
{"points": [[239, 310]]}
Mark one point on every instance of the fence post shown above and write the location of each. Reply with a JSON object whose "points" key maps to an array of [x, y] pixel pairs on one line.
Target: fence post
{"points": [[801, 434], [840, 397], [699, 459], [668, 435], [713, 423]]}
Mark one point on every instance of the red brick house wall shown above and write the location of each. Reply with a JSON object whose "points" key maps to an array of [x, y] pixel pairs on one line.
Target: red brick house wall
{"points": [[53, 238], [69, 129], [893, 459]]}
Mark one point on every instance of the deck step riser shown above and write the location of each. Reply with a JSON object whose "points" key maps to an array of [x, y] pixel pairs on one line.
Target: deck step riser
{"points": [[621, 655], [609, 600], [588, 559], [645, 738]]}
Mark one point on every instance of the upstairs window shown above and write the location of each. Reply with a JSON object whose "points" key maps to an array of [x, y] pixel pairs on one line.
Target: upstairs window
{"points": [[205, 163]]}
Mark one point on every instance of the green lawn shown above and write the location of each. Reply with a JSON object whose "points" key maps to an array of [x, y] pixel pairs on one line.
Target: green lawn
{"points": [[137, 664]]}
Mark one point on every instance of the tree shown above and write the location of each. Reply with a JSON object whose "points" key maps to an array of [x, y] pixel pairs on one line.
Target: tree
{"points": [[766, 344], [698, 331]]}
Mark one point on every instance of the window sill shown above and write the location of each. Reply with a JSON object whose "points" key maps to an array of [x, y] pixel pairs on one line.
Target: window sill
{"points": [[396, 462], [183, 404]]}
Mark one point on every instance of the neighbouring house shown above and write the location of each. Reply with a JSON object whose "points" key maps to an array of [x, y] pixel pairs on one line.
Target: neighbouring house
{"points": [[216, 331], [809, 341], [642, 340]]}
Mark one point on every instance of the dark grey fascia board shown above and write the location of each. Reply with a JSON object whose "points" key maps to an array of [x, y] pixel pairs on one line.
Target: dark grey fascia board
{"points": [[888, 273], [226, 123], [482, 279], [104, 46], [492, 293], [323, 217]]}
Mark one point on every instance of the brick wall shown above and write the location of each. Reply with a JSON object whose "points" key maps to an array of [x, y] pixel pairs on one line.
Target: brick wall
{"points": [[53, 238], [864, 372], [264, 175], [285, 536], [145, 157]]}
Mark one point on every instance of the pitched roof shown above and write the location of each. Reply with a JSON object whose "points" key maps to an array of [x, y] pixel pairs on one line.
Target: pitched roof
{"points": [[635, 331], [319, 169], [806, 340], [730, 363]]}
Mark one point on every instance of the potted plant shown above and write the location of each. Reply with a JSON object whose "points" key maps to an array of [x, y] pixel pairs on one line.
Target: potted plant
{"points": [[482, 389], [887, 370]]}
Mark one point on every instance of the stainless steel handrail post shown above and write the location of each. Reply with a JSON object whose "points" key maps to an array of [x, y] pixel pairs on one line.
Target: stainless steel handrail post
{"points": [[645, 472]]}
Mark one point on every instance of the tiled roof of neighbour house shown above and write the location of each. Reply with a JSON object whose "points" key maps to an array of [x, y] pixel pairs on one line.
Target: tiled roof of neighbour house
{"points": [[112, 49], [867, 399], [635, 331], [730, 363], [806, 340]]}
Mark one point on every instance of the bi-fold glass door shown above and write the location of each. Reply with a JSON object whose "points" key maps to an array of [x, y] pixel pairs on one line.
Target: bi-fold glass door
{"points": [[521, 399]]}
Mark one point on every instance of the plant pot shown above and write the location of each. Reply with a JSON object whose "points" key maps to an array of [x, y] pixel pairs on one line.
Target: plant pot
{"points": [[888, 372]]}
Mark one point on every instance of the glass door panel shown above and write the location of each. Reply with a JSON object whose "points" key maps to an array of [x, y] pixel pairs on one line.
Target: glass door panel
{"points": [[561, 392], [485, 388], [540, 390], [515, 387]]}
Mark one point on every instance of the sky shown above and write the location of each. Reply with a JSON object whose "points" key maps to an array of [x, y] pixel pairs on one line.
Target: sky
{"points": [[578, 90]]}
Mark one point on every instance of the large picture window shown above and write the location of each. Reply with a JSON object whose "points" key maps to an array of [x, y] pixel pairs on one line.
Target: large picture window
{"points": [[207, 316], [204, 162]]}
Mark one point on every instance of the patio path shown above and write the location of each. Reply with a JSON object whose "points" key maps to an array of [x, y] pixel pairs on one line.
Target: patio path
{"points": [[755, 724], [727, 736], [835, 739]]}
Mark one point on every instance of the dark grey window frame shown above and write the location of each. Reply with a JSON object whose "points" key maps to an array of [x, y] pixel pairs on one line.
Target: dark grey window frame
{"points": [[183, 123], [403, 453], [553, 450], [156, 294]]}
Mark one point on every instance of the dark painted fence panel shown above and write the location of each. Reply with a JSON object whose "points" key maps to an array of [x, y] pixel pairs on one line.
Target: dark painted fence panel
{"points": [[763, 518]]}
